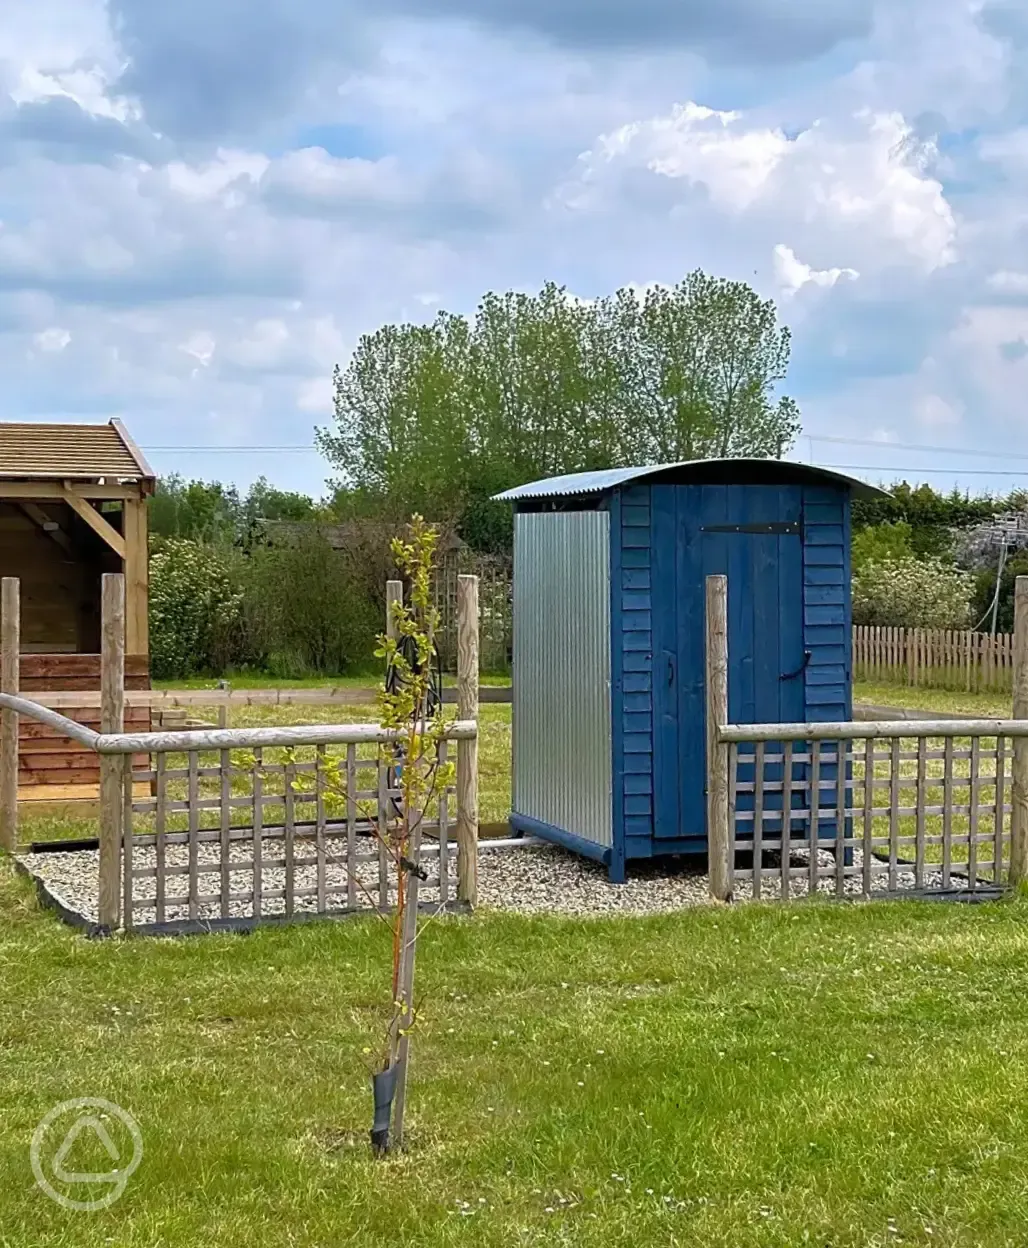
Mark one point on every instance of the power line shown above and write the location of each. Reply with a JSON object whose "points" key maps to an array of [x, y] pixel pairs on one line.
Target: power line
{"points": [[232, 450], [901, 446], [963, 472], [911, 446]]}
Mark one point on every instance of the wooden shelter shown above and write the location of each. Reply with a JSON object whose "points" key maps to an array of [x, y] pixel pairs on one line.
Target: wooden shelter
{"points": [[72, 507]]}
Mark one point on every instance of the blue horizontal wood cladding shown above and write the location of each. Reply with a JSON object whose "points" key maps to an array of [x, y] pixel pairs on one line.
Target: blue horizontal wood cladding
{"points": [[632, 701], [789, 640], [637, 682], [822, 534], [827, 631], [816, 575]]}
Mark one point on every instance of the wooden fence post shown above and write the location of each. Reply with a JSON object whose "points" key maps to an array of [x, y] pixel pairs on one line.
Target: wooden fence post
{"points": [[112, 766], [10, 641], [1019, 797], [719, 834], [467, 751], [394, 593]]}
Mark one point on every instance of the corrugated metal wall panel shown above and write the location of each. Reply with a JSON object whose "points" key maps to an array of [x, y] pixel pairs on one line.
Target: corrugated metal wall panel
{"points": [[562, 722]]}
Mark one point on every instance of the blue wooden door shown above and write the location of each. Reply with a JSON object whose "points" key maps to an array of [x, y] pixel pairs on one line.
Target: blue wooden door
{"points": [[751, 534]]}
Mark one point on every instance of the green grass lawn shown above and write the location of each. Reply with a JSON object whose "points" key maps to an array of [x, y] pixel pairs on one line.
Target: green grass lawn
{"points": [[761, 1075], [987, 705]]}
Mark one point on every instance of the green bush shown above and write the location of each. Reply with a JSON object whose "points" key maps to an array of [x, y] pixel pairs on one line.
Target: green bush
{"points": [[307, 610], [196, 601], [881, 543], [302, 609], [912, 593]]}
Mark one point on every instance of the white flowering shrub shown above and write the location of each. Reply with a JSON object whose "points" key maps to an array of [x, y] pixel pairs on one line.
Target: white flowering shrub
{"points": [[196, 600], [912, 593]]}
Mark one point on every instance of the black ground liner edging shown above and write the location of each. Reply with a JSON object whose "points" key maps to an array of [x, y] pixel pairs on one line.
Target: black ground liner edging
{"points": [[52, 900]]}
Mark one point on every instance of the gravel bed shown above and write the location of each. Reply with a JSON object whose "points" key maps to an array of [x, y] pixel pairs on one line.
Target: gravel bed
{"points": [[799, 885], [550, 880], [72, 877], [532, 880]]}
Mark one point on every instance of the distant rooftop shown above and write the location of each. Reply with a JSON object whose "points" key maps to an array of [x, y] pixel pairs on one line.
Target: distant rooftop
{"points": [[71, 453]]}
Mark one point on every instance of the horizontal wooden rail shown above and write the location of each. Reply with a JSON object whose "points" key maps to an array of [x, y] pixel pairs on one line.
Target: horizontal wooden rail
{"points": [[219, 738], [850, 730], [159, 699], [29, 707], [258, 738]]}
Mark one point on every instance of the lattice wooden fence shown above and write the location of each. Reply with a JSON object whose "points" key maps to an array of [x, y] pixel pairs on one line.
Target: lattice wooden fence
{"points": [[907, 814], [253, 833], [924, 807], [495, 599]]}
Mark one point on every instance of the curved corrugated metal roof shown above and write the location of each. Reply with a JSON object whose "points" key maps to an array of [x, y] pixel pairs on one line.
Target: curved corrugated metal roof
{"points": [[691, 471]]}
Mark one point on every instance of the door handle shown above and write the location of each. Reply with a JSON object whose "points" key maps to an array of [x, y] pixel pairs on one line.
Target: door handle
{"points": [[670, 672], [807, 656]]}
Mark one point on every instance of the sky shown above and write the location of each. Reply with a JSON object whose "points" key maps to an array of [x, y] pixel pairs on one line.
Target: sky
{"points": [[204, 204]]}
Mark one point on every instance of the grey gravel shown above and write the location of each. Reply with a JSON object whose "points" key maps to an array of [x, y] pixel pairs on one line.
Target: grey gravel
{"points": [[529, 880], [550, 880]]}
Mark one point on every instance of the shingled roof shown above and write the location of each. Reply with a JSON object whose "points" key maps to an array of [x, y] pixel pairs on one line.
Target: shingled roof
{"points": [[71, 453]]}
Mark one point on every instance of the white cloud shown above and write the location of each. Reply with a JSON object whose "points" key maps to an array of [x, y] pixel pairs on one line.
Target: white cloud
{"points": [[860, 177], [1009, 151], [1007, 281], [313, 189], [52, 340], [88, 88], [701, 145], [200, 346], [315, 396], [792, 274], [313, 176], [213, 178], [932, 411]]}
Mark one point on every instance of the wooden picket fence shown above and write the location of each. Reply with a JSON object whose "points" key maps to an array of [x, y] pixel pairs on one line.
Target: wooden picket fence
{"points": [[934, 658]]}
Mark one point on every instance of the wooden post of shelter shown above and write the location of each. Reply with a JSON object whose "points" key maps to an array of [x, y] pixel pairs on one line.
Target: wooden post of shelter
{"points": [[719, 833], [10, 640], [73, 507], [1019, 797], [112, 766], [467, 751]]}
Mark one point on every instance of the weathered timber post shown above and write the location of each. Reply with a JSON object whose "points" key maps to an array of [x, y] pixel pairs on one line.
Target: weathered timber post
{"points": [[10, 642], [467, 751], [719, 834], [112, 766], [394, 593], [1019, 766]]}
